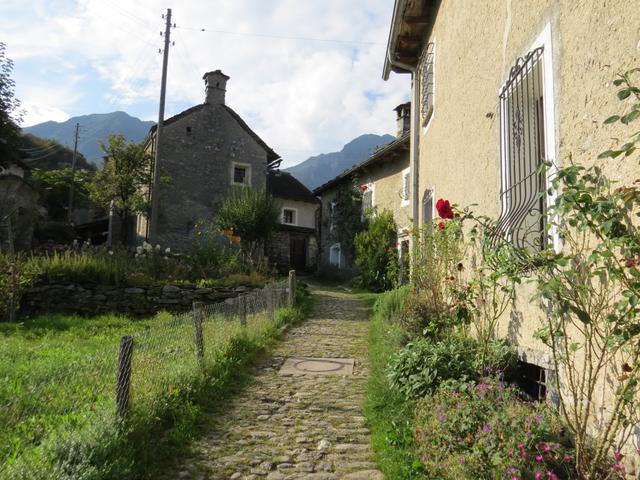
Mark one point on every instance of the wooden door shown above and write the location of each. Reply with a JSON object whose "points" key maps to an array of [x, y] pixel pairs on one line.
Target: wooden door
{"points": [[297, 252]]}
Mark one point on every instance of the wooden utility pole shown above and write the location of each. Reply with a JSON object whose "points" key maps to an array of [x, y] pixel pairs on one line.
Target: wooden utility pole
{"points": [[155, 191], [73, 173]]}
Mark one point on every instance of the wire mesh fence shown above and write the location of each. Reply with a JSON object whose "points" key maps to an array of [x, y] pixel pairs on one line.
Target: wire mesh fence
{"points": [[134, 375]]}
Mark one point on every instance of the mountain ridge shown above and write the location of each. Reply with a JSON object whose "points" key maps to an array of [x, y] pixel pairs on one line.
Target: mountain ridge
{"points": [[318, 169], [94, 128]]}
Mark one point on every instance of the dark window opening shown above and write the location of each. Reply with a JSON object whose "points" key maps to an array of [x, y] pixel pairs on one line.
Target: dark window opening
{"points": [[239, 175], [288, 216], [532, 380], [188, 130]]}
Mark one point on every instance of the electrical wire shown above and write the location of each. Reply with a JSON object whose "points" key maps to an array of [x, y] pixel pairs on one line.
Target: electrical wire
{"points": [[283, 37]]}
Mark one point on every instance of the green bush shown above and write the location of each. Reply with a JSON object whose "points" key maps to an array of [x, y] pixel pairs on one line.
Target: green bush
{"points": [[377, 254], [391, 303], [423, 364], [485, 431]]}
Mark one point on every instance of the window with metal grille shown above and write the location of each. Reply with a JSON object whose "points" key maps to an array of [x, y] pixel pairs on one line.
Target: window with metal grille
{"points": [[532, 379], [240, 175], [522, 149], [426, 71], [406, 186], [427, 207]]}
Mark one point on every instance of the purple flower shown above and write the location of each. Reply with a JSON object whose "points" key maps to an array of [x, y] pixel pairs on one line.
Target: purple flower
{"points": [[486, 428], [538, 458]]}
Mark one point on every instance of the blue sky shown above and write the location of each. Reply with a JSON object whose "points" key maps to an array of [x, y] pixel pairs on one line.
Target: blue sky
{"points": [[306, 75]]}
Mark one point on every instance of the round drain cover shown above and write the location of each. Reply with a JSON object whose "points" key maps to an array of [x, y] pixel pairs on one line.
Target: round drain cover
{"points": [[319, 365]]}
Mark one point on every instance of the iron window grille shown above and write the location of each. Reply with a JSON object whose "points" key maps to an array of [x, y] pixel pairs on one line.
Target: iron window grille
{"points": [[426, 72], [427, 207], [523, 200], [239, 175], [406, 186]]}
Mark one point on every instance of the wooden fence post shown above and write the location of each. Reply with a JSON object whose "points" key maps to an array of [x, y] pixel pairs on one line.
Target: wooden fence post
{"points": [[292, 288], [242, 310], [123, 380], [197, 323]]}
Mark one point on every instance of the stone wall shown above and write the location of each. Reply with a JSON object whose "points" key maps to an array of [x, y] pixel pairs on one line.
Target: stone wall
{"points": [[94, 299]]}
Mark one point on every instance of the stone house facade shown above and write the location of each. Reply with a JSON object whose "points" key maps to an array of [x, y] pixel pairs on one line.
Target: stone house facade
{"points": [[295, 244], [19, 203], [206, 150], [383, 179], [498, 89]]}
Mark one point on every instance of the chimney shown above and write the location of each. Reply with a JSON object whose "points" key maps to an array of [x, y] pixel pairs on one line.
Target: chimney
{"points": [[403, 118], [215, 86]]}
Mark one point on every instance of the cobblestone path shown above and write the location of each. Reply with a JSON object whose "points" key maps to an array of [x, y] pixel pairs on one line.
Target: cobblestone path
{"points": [[302, 426]]}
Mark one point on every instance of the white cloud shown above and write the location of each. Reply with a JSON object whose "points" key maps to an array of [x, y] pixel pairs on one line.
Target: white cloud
{"points": [[34, 114], [303, 97]]}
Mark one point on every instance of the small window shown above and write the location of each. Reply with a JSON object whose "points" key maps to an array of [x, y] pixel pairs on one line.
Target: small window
{"points": [[241, 174], [426, 70], [406, 186], [427, 207], [367, 198], [188, 130], [332, 210], [532, 379], [289, 216], [335, 255]]}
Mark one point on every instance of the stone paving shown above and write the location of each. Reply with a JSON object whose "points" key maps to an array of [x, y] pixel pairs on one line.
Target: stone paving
{"points": [[290, 427]]}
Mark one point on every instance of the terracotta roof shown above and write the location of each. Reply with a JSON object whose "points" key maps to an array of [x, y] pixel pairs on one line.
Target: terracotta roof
{"points": [[285, 185], [380, 155], [271, 155]]}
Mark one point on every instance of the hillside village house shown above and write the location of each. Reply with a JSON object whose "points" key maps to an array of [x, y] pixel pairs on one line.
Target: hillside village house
{"points": [[498, 88], [294, 245], [19, 201], [206, 150], [384, 181]]}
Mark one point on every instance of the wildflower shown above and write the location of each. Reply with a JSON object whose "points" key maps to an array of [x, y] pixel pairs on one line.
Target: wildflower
{"points": [[567, 457], [486, 428], [546, 448], [138, 251], [158, 247], [538, 458], [538, 475], [538, 418], [110, 252], [618, 455], [167, 250]]}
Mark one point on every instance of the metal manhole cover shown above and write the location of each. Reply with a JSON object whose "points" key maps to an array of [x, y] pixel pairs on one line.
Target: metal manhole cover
{"points": [[317, 366]]}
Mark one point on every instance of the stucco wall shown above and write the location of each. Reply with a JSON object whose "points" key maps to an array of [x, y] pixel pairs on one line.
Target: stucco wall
{"points": [[387, 181], [199, 163], [475, 48], [306, 212]]}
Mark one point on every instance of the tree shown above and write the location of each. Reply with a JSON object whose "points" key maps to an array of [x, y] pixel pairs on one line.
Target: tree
{"points": [[252, 215], [376, 253], [123, 181], [53, 187], [10, 116]]}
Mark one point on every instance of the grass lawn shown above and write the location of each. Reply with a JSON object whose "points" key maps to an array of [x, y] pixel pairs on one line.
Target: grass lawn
{"points": [[57, 395]]}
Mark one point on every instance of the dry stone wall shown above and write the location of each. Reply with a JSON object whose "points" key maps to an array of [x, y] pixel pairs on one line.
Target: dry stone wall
{"points": [[90, 299]]}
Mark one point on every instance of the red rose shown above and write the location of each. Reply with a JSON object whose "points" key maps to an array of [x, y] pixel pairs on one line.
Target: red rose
{"points": [[441, 225], [444, 208]]}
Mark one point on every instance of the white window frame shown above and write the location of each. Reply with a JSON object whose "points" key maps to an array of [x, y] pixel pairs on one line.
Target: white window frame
{"points": [[247, 176], [544, 40], [335, 247], [295, 216], [406, 192]]}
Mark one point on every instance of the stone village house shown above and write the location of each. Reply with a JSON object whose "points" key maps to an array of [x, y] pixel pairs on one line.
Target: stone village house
{"points": [[496, 89], [207, 150], [383, 179], [19, 201]]}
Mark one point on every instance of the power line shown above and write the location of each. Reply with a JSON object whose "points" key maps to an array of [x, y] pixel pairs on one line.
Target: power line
{"points": [[283, 37]]}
